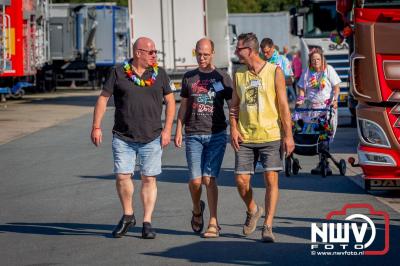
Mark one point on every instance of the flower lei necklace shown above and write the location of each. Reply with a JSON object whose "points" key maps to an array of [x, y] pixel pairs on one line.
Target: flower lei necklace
{"points": [[314, 81], [140, 82]]}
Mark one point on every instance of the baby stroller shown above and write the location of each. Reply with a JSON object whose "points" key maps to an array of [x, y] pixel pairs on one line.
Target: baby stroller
{"points": [[313, 130]]}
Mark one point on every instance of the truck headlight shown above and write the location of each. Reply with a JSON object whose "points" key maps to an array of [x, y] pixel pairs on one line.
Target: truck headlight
{"points": [[370, 158], [371, 133]]}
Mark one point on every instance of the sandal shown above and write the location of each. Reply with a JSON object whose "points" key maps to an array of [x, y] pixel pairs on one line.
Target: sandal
{"points": [[212, 231], [195, 224]]}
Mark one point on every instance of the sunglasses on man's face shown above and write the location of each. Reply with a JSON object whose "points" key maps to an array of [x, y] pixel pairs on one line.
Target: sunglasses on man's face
{"points": [[149, 52], [241, 48]]}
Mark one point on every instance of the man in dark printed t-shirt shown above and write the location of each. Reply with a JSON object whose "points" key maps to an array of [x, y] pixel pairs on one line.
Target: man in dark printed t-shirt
{"points": [[204, 91], [139, 87]]}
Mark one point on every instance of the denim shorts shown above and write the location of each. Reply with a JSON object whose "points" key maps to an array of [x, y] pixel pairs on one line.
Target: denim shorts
{"points": [[270, 154], [204, 154], [126, 152]]}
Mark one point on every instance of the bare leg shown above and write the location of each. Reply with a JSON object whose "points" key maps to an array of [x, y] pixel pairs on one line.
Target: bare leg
{"points": [[125, 189], [212, 197], [149, 196], [246, 192], [195, 192], [271, 196]]}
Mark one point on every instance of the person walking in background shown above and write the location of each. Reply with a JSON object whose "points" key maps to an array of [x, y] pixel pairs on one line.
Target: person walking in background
{"points": [[319, 89], [285, 52], [272, 56], [261, 125], [297, 68], [204, 91], [139, 88]]}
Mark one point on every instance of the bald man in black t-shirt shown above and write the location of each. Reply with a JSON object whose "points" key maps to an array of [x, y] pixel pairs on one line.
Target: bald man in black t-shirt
{"points": [[139, 88]]}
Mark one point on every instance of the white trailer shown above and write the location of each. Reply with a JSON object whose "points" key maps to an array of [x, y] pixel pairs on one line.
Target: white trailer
{"points": [[313, 22], [176, 26], [274, 25]]}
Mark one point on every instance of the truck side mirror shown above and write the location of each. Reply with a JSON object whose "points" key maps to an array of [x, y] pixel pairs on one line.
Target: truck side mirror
{"points": [[293, 25], [300, 25], [344, 6], [296, 25]]}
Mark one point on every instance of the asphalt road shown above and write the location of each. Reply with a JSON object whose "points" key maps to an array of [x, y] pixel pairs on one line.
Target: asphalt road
{"points": [[59, 205]]}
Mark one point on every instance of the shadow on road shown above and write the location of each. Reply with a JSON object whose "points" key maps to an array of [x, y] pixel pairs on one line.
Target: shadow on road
{"points": [[234, 252], [57, 229], [303, 181]]}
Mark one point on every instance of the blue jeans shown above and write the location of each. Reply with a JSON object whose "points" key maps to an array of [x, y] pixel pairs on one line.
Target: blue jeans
{"points": [[204, 154], [291, 94], [125, 153]]}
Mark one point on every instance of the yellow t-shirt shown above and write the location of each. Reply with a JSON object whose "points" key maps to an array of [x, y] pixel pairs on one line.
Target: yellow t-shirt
{"points": [[259, 120]]}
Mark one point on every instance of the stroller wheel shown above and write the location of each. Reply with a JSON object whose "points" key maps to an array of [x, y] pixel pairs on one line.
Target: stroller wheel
{"points": [[296, 166], [288, 166], [342, 167], [324, 168]]}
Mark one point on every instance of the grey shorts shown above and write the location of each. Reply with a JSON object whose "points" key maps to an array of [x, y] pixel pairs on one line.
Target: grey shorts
{"points": [[270, 154]]}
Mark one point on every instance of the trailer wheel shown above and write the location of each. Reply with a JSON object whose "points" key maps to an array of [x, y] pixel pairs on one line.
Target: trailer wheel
{"points": [[288, 166], [296, 166], [18, 95], [342, 167]]}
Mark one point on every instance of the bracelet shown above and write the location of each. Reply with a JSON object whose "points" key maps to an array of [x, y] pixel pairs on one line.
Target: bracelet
{"points": [[94, 128], [300, 98]]}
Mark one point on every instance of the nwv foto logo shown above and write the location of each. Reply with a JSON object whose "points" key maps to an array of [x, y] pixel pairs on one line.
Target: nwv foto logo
{"points": [[357, 231]]}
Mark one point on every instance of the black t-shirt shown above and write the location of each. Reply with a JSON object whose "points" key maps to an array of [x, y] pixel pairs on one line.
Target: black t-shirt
{"points": [[137, 109], [206, 93]]}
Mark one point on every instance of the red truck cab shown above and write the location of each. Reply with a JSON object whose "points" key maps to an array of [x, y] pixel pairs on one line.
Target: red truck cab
{"points": [[375, 84]]}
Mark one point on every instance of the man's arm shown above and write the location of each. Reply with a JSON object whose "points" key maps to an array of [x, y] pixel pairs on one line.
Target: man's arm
{"points": [[284, 111], [98, 115], [180, 122], [169, 119], [236, 137]]}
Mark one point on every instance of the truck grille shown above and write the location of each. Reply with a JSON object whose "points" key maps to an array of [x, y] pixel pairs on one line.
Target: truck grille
{"points": [[341, 64]]}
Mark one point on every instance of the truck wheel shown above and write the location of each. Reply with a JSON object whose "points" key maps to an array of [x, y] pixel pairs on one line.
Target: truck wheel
{"points": [[342, 167], [18, 95]]}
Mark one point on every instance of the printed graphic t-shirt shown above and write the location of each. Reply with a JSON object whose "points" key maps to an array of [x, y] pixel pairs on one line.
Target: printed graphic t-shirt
{"points": [[205, 93]]}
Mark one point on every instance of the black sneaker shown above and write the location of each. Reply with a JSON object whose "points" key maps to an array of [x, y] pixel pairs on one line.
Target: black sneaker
{"points": [[123, 225], [147, 231]]}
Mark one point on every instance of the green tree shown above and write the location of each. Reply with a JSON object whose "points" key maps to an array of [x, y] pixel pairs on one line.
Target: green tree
{"points": [[240, 6], [119, 2], [257, 6]]}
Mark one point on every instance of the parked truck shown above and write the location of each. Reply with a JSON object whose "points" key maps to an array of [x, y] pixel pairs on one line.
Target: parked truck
{"points": [[86, 40], [375, 84], [314, 21], [176, 26], [264, 25], [23, 44]]}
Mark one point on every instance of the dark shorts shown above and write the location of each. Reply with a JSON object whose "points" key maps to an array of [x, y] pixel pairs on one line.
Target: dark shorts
{"points": [[270, 154]]}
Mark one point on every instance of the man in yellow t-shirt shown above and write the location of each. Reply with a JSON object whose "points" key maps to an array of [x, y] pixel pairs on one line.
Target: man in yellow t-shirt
{"points": [[260, 126]]}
